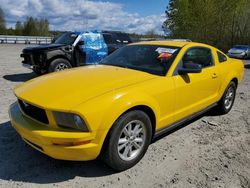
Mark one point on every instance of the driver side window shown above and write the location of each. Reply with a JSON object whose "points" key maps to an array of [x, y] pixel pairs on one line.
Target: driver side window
{"points": [[199, 55]]}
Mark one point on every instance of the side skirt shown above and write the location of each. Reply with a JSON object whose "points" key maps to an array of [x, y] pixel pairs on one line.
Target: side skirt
{"points": [[181, 122]]}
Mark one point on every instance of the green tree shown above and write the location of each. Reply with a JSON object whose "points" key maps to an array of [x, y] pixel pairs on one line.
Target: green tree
{"points": [[151, 34], [2, 22], [43, 27], [36, 27], [18, 28], [29, 27], [221, 23]]}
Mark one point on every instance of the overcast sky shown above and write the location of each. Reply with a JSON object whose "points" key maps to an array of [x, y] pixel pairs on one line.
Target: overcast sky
{"points": [[137, 16]]}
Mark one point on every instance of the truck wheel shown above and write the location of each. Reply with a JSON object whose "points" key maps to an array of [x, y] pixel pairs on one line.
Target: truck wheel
{"points": [[127, 141], [227, 100], [37, 71], [58, 65]]}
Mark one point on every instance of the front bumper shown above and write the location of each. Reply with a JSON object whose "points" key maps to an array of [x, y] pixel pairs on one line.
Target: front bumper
{"points": [[43, 138], [27, 66], [27, 59]]}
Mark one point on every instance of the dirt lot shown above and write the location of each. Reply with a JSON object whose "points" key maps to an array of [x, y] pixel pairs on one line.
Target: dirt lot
{"points": [[213, 151]]}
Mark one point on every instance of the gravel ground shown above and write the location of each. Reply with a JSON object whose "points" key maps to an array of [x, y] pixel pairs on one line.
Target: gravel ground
{"points": [[212, 151]]}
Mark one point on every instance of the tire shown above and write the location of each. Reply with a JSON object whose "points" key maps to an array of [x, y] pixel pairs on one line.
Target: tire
{"points": [[132, 146], [59, 65], [37, 71], [227, 100]]}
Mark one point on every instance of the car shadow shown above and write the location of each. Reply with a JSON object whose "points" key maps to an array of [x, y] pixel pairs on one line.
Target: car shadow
{"points": [[19, 162], [20, 77], [209, 113]]}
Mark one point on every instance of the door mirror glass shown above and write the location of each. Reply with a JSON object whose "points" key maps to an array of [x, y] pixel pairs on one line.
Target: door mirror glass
{"points": [[190, 68], [191, 65]]}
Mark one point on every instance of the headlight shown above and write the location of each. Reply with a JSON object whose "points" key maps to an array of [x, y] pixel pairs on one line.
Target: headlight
{"points": [[70, 120]]}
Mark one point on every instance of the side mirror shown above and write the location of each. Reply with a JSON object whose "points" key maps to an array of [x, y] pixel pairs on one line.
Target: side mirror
{"points": [[80, 43], [190, 68], [53, 40]]}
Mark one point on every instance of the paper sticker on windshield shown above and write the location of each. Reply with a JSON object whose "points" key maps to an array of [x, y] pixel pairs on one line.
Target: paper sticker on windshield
{"points": [[165, 50], [164, 57]]}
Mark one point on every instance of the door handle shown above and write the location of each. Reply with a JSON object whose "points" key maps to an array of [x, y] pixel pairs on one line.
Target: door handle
{"points": [[214, 75]]}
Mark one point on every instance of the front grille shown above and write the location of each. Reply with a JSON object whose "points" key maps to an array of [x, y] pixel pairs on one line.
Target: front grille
{"points": [[27, 59], [34, 112], [36, 58]]}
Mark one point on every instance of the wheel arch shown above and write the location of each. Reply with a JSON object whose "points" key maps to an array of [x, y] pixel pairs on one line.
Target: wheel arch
{"points": [[149, 111], [229, 78], [235, 80], [144, 108], [49, 61]]}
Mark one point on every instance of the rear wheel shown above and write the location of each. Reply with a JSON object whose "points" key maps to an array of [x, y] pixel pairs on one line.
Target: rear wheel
{"points": [[128, 140], [59, 65], [227, 100]]}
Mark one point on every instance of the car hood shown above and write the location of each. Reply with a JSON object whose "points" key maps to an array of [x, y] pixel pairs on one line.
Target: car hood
{"points": [[42, 47], [67, 89], [236, 51]]}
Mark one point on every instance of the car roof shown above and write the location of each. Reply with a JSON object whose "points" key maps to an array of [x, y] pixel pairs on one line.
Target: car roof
{"points": [[174, 43], [164, 43], [97, 31], [239, 45]]}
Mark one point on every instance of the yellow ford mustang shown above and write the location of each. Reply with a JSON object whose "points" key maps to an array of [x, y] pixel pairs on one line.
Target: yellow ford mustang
{"points": [[115, 109]]}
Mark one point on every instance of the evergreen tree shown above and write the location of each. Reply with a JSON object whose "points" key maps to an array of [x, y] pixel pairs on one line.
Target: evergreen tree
{"points": [[18, 28], [2, 22], [36, 27]]}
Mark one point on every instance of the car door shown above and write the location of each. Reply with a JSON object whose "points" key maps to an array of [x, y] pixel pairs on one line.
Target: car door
{"points": [[94, 47], [195, 91]]}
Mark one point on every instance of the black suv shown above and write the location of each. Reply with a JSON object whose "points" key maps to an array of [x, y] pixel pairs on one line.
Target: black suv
{"points": [[72, 49]]}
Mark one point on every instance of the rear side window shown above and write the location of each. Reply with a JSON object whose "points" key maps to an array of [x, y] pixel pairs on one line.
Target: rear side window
{"points": [[222, 58], [201, 56], [108, 38], [123, 38]]}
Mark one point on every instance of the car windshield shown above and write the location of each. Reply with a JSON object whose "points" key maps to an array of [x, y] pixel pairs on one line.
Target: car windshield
{"points": [[153, 59], [66, 38], [241, 47]]}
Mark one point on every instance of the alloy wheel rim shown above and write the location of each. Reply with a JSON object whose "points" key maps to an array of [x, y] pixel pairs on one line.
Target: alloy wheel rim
{"points": [[61, 66], [229, 98], [131, 140]]}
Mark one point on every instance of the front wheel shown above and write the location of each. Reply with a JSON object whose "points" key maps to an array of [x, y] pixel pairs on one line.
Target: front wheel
{"points": [[128, 140], [37, 71], [59, 65], [227, 100]]}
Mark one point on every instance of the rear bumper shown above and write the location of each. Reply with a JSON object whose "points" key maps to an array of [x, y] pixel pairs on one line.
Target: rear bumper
{"points": [[43, 138]]}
